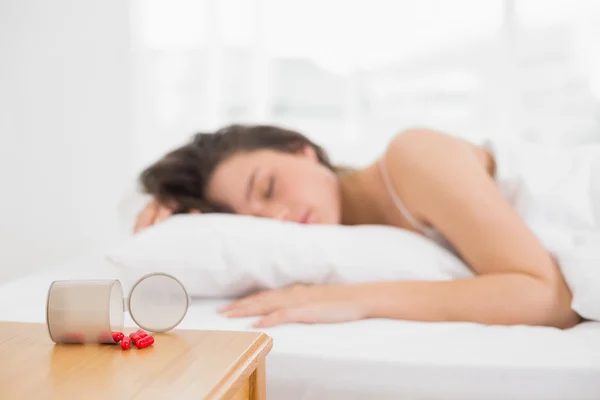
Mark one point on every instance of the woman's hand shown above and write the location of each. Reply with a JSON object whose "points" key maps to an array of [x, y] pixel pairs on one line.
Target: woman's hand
{"points": [[300, 304], [152, 214]]}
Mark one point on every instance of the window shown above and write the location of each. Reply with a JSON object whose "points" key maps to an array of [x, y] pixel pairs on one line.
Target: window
{"points": [[352, 74], [559, 62]]}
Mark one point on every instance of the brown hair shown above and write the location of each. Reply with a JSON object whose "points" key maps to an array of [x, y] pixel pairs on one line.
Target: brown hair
{"points": [[179, 178]]}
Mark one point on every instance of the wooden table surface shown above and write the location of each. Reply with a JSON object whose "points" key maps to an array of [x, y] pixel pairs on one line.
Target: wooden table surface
{"points": [[181, 364]]}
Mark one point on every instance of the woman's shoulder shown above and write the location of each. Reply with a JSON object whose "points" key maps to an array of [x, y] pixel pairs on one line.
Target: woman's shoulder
{"points": [[421, 148], [420, 166], [427, 140]]}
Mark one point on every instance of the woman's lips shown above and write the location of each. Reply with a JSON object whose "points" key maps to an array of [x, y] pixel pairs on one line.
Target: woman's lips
{"points": [[305, 218]]}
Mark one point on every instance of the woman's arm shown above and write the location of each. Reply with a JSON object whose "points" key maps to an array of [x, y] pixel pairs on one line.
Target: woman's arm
{"points": [[499, 299], [444, 181]]}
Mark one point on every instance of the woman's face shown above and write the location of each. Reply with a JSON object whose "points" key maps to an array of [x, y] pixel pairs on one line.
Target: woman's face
{"points": [[274, 184]]}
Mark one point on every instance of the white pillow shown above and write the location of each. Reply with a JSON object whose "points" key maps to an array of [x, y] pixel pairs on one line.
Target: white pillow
{"points": [[222, 255]]}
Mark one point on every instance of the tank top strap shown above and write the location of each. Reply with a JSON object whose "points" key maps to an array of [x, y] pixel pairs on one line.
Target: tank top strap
{"points": [[396, 199]]}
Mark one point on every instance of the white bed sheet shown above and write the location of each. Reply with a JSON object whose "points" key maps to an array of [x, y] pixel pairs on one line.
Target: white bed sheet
{"points": [[379, 358]]}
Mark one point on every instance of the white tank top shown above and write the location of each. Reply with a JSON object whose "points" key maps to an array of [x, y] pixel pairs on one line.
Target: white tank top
{"points": [[548, 186]]}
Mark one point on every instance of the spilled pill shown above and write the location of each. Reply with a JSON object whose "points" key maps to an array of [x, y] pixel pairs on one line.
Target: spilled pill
{"points": [[144, 342], [125, 343], [134, 337], [141, 333], [117, 336]]}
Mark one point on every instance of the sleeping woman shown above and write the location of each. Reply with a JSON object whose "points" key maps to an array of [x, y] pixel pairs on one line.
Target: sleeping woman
{"points": [[474, 200]]}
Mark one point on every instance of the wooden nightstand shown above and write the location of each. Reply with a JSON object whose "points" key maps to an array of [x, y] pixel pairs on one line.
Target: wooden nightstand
{"points": [[182, 364]]}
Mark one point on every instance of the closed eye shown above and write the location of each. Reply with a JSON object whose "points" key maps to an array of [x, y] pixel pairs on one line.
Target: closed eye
{"points": [[270, 188]]}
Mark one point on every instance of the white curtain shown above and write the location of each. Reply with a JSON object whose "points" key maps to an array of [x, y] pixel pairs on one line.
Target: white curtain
{"points": [[351, 74]]}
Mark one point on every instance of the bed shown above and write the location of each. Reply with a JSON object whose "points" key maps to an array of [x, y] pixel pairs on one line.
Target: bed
{"points": [[379, 358]]}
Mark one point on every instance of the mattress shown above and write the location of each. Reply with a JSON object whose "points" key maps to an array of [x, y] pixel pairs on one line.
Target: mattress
{"points": [[381, 359]]}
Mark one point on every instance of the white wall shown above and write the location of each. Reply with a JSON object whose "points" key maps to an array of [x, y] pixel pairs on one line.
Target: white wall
{"points": [[65, 124]]}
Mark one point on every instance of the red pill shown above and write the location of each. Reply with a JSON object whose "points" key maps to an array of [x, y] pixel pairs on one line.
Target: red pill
{"points": [[117, 336], [141, 333], [125, 343], [134, 337], [144, 342]]}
